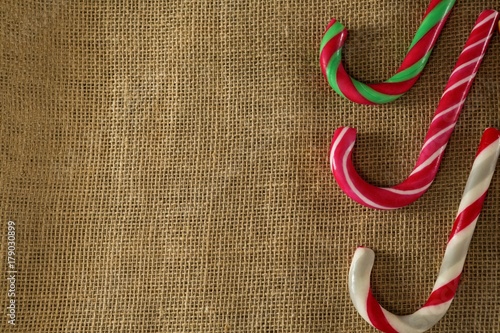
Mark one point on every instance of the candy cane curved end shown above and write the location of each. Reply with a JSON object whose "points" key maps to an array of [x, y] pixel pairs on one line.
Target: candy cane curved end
{"points": [[383, 198], [453, 261], [406, 76], [437, 137]]}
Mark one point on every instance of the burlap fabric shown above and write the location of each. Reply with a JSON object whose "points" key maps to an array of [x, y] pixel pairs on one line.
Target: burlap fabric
{"points": [[166, 165]]}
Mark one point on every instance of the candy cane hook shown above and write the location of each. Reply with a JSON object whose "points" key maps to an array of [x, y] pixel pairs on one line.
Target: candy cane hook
{"points": [[440, 130], [451, 269], [406, 76]]}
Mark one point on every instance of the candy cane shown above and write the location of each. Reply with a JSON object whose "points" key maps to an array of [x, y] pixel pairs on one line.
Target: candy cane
{"points": [[451, 269], [440, 130], [413, 64]]}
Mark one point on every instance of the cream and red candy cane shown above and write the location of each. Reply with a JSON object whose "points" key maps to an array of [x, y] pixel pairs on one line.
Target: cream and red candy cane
{"points": [[440, 130], [406, 76], [451, 268]]}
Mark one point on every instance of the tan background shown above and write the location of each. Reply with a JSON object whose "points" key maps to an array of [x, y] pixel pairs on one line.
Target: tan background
{"points": [[166, 164]]}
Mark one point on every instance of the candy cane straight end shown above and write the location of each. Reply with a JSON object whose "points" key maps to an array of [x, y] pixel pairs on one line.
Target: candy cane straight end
{"points": [[437, 137], [454, 258]]}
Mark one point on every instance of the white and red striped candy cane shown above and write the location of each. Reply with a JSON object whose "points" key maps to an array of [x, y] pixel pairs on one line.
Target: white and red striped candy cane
{"points": [[451, 269], [440, 130]]}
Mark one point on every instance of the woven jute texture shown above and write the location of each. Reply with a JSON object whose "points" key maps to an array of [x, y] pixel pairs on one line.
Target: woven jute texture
{"points": [[166, 164]]}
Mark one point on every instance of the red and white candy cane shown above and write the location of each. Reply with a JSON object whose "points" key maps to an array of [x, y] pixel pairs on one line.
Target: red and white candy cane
{"points": [[451, 269], [440, 130]]}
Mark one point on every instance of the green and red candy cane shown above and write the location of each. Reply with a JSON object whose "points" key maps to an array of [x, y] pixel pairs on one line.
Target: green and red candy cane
{"points": [[406, 76]]}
